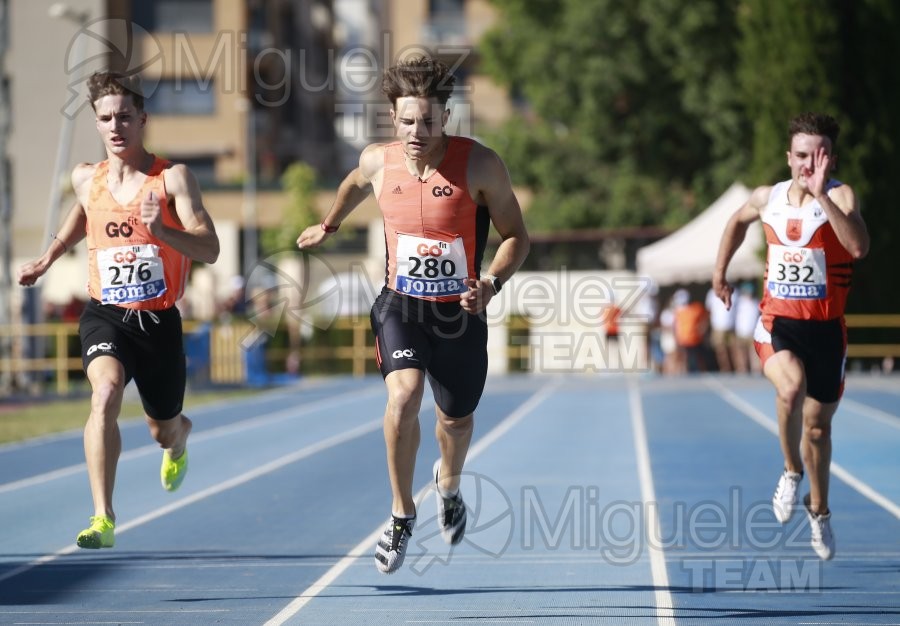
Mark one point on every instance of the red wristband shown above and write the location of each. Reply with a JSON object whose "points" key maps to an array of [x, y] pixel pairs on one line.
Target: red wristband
{"points": [[329, 229]]}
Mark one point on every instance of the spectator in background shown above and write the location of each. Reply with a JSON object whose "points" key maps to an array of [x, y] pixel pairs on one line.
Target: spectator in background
{"points": [[721, 336], [671, 362], [235, 305], [609, 320], [746, 314], [691, 325]]}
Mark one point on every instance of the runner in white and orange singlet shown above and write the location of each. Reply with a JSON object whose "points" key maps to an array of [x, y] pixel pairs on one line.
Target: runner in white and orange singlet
{"points": [[438, 194], [144, 221], [814, 233]]}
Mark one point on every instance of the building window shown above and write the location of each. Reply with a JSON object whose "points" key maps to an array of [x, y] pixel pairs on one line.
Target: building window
{"points": [[203, 168], [446, 23], [182, 96], [186, 16]]}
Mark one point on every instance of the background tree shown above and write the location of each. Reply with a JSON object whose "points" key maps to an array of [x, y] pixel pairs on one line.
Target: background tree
{"points": [[641, 113], [617, 128], [870, 148], [299, 181], [828, 55]]}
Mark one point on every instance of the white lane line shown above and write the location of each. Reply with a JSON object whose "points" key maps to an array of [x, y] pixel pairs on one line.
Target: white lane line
{"points": [[246, 477], [366, 544], [213, 433], [769, 424], [665, 614], [878, 415]]}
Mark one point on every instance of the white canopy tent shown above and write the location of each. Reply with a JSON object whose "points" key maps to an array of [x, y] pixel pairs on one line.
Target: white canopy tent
{"points": [[689, 254]]}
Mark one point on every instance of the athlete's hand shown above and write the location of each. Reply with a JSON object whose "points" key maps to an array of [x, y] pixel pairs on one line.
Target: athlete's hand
{"points": [[723, 290], [31, 271], [311, 237], [817, 177], [151, 214], [476, 299]]}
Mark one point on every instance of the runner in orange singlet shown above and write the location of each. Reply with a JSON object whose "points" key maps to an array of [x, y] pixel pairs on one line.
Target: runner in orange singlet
{"points": [[438, 195], [144, 221], [814, 232]]}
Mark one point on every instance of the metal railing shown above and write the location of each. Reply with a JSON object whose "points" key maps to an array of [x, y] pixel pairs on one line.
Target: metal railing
{"points": [[227, 363]]}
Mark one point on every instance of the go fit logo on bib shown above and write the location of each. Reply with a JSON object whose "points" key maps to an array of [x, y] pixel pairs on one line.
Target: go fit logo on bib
{"points": [[423, 249]]}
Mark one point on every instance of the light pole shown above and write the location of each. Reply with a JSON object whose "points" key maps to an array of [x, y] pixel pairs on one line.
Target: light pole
{"points": [[5, 206], [63, 11], [32, 311], [251, 236]]}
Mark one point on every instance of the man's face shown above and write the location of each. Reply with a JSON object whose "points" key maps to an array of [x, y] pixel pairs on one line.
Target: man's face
{"points": [[801, 156], [420, 124], [119, 123]]}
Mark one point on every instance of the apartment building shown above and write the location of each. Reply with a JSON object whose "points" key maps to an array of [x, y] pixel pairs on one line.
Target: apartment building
{"points": [[237, 89]]}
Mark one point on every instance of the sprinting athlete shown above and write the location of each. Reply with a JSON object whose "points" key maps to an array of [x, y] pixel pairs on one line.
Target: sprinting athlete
{"points": [[814, 233], [438, 194], [144, 221]]}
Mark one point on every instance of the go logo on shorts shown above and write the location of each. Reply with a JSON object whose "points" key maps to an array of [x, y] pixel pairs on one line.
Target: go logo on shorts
{"points": [[406, 353], [106, 346]]}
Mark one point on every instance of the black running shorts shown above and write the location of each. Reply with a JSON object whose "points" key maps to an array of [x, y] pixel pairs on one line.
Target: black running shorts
{"points": [[439, 338], [822, 347], [153, 355]]}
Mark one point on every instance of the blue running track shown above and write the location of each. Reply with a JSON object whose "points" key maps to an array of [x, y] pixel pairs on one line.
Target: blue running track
{"points": [[592, 500]]}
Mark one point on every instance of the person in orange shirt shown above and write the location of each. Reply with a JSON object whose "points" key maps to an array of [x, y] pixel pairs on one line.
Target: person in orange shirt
{"points": [[438, 195], [144, 221], [814, 232], [609, 320]]}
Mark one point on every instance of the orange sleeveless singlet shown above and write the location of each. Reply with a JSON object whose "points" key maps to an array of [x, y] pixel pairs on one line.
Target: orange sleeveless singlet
{"points": [[435, 233], [127, 265]]}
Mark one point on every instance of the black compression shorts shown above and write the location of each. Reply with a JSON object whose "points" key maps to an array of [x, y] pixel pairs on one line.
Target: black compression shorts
{"points": [[153, 355], [439, 338], [822, 347]]}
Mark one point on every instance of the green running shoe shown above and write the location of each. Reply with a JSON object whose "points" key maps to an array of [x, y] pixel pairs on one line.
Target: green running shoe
{"points": [[172, 471], [101, 534]]}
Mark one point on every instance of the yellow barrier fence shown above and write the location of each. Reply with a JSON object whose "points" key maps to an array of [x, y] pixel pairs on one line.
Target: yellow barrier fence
{"points": [[227, 363]]}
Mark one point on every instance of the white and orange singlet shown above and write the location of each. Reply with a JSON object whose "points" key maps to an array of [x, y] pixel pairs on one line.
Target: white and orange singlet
{"points": [[807, 269]]}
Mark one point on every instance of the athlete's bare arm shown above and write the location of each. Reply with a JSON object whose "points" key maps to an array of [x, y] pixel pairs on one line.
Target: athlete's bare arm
{"points": [[840, 205], [198, 240], [72, 230], [355, 187], [490, 185], [733, 237]]}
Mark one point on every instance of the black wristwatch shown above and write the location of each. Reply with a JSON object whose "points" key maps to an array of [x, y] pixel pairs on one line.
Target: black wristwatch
{"points": [[496, 283]]}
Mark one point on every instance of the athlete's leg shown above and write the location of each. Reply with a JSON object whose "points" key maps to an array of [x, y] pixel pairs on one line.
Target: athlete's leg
{"points": [[102, 439], [171, 434], [453, 436], [405, 388], [817, 450], [787, 374]]}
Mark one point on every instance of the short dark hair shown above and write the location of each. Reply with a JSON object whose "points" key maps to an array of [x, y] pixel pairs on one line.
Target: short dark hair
{"points": [[815, 124], [420, 77], [116, 84]]}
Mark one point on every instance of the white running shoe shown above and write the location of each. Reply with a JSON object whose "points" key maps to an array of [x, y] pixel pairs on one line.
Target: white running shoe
{"points": [[391, 548], [451, 511], [820, 531], [785, 499]]}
